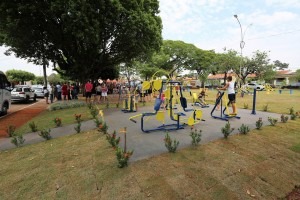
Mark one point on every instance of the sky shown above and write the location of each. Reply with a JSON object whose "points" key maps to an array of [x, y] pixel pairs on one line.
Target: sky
{"points": [[267, 25]]}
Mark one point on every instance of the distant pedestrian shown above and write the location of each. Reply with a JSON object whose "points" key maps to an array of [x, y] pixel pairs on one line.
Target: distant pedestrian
{"points": [[46, 94], [88, 87]]}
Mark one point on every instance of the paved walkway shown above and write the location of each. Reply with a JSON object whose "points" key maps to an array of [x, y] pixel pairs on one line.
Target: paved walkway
{"points": [[150, 144]]}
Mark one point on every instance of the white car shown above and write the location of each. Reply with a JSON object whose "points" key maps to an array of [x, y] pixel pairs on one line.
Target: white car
{"points": [[255, 86], [38, 90], [5, 96], [22, 93]]}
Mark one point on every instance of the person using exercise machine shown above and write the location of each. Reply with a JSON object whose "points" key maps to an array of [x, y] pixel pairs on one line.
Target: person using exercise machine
{"points": [[231, 93]]}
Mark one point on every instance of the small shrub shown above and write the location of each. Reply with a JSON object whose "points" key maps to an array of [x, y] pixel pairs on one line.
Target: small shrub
{"points": [[227, 130], [78, 118], [98, 122], [107, 104], [90, 105], [123, 157], [117, 105], [246, 106], [265, 107], [259, 123], [291, 110], [94, 112], [45, 134], [196, 136], [103, 128], [171, 144], [113, 141], [293, 116], [33, 127], [17, 140], [272, 121], [284, 118], [78, 127], [244, 129], [11, 130], [57, 121]]}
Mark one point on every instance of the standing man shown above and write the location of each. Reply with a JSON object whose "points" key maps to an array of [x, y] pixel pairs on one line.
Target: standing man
{"points": [[58, 87], [231, 93], [88, 91]]}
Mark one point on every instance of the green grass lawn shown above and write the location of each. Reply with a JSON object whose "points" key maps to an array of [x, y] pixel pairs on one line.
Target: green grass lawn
{"points": [[262, 165]]}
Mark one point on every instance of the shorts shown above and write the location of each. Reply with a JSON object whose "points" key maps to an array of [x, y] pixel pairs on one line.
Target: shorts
{"points": [[46, 95], [88, 94], [98, 93], [104, 94], [231, 98]]}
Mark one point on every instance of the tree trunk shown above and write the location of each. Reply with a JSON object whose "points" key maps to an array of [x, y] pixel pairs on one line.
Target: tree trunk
{"points": [[45, 72]]}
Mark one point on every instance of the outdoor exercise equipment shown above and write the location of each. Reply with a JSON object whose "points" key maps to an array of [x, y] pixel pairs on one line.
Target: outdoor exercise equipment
{"points": [[129, 103], [269, 88], [160, 115], [224, 113], [199, 102]]}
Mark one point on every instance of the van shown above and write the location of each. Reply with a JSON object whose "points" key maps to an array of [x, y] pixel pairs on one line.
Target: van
{"points": [[5, 96]]}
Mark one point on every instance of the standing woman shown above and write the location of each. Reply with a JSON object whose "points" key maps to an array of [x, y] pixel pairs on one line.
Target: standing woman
{"points": [[46, 94], [64, 90], [104, 90]]}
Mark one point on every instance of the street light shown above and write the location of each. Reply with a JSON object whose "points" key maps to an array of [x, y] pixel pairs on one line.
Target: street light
{"points": [[242, 42]]}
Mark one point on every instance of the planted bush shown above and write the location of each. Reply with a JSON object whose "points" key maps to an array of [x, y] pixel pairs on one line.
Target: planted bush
{"points": [[259, 123], [45, 134], [246, 106], [94, 112], [196, 136], [123, 157], [171, 144], [291, 110], [17, 140], [57, 121], [66, 104], [11, 130], [113, 141], [244, 129], [227, 130], [98, 122], [103, 128], [78, 127], [77, 118], [284, 118], [293, 116], [33, 126], [272, 121], [265, 107]]}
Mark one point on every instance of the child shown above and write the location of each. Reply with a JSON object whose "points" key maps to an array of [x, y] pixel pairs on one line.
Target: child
{"points": [[201, 97], [231, 93]]}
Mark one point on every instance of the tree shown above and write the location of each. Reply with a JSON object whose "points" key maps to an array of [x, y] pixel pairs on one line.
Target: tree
{"points": [[84, 39], [201, 61], [227, 61], [39, 80], [280, 66], [55, 78], [19, 76]]}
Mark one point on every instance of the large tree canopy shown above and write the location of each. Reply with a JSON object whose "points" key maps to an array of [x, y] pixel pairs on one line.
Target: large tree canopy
{"points": [[19, 76], [84, 38]]}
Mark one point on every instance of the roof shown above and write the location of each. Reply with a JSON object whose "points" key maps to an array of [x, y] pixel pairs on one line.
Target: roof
{"points": [[221, 76]]}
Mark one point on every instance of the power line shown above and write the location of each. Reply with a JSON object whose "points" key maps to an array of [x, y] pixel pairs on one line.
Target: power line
{"points": [[274, 35]]}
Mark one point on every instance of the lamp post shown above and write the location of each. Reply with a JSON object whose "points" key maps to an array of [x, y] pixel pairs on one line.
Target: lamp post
{"points": [[242, 42]]}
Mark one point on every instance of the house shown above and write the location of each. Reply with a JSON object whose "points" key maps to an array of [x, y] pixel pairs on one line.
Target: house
{"points": [[284, 77]]}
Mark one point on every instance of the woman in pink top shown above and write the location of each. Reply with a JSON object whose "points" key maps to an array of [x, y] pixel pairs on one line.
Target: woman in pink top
{"points": [[64, 91]]}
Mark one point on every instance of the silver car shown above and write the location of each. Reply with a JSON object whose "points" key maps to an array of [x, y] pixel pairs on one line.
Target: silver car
{"points": [[38, 90]]}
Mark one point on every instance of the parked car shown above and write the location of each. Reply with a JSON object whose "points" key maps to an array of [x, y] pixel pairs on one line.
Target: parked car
{"points": [[5, 96], [255, 86], [22, 93], [38, 90]]}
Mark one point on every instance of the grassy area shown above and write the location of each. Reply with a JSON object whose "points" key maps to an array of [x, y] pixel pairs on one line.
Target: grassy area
{"points": [[262, 165], [277, 103], [45, 119]]}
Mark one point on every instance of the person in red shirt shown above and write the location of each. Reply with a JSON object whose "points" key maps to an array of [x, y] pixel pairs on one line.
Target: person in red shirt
{"points": [[88, 91], [64, 91]]}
